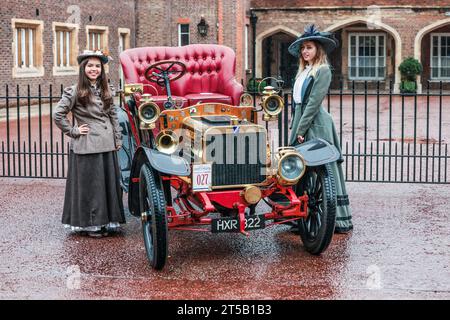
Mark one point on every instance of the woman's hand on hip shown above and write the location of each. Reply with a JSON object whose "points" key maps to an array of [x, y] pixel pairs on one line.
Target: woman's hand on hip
{"points": [[84, 129], [300, 139]]}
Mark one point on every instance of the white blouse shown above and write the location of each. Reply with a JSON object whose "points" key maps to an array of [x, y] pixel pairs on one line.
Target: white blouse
{"points": [[299, 83]]}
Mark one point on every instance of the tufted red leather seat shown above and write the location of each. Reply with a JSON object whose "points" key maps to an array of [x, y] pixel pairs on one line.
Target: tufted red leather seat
{"points": [[210, 72]]}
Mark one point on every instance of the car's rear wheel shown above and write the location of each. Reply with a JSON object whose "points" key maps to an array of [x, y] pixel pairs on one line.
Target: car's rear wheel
{"points": [[152, 206], [316, 230]]}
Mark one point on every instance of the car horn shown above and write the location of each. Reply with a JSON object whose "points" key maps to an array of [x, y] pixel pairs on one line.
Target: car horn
{"points": [[167, 141]]}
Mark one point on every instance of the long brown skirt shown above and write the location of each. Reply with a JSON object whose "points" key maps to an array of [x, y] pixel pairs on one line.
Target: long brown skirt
{"points": [[93, 195]]}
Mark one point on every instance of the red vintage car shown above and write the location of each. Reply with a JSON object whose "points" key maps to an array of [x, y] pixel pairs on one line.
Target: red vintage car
{"points": [[196, 158]]}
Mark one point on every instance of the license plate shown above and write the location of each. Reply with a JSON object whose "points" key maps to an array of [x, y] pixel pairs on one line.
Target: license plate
{"points": [[201, 177], [232, 224]]}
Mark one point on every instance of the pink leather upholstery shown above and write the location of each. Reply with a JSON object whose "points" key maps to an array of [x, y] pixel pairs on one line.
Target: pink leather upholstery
{"points": [[209, 77]]}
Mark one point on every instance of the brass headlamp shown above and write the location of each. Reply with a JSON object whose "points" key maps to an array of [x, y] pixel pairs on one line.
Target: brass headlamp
{"points": [[148, 112], [290, 166], [271, 103]]}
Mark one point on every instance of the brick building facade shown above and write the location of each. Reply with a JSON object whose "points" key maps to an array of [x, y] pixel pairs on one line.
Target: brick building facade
{"points": [[41, 39], [375, 36]]}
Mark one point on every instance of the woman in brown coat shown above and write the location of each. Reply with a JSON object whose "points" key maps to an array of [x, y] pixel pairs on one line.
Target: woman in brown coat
{"points": [[93, 197]]}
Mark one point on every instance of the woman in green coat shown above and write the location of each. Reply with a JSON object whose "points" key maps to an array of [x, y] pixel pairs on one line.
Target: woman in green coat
{"points": [[310, 120]]}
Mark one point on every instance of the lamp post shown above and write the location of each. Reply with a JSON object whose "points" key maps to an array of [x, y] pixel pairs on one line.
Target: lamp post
{"points": [[253, 21]]}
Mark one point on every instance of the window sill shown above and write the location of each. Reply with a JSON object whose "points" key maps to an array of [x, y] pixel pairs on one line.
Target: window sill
{"points": [[439, 80], [27, 72], [65, 71], [368, 79]]}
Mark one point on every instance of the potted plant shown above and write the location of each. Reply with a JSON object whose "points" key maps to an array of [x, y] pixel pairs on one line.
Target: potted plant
{"points": [[409, 69]]}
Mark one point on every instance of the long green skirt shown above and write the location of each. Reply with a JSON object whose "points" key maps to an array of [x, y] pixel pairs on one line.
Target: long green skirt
{"points": [[323, 127]]}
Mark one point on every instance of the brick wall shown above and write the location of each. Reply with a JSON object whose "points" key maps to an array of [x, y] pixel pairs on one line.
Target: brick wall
{"points": [[343, 3], [157, 23], [99, 13]]}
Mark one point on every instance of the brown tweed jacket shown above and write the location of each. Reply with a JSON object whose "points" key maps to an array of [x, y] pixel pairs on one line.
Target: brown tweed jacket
{"points": [[104, 129]]}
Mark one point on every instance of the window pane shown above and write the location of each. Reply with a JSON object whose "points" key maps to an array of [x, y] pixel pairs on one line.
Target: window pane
{"points": [[434, 61], [361, 51], [184, 39], [434, 72], [184, 28], [435, 41], [361, 62], [353, 40]]}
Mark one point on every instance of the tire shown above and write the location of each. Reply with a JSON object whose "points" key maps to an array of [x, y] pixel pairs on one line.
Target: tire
{"points": [[152, 201], [316, 231]]}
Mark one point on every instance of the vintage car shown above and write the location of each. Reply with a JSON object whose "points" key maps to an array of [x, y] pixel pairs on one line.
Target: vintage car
{"points": [[205, 165]]}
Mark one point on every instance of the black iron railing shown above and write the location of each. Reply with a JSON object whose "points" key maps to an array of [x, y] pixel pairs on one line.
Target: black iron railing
{"points": [[384, 136]]}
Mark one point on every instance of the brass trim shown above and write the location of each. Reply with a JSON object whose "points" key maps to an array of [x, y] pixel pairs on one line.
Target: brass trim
{"points": [[131, 88], [285, 152], [144, 123], [252, 194], [246, 100], [278, 110], [174, 141]]}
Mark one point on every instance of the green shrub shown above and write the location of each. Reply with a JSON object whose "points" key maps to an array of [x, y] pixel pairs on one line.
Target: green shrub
{"points": [[408, 86], [410, 68]]}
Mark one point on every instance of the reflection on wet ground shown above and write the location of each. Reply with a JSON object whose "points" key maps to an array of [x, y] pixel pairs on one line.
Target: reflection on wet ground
{"points": [[400, 249]]}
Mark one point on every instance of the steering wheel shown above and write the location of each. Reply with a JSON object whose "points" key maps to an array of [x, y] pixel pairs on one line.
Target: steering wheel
{"points": [[167, 70]]}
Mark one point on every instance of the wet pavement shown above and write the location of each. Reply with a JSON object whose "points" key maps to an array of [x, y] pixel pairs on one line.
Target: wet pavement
{"points": [[400, 249]]}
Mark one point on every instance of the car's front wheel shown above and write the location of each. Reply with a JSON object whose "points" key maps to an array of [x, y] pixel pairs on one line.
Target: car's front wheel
{"points": [[316, 230], [152, 206]]}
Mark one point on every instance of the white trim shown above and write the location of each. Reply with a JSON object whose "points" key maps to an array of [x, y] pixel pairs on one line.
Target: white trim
{"points": [[183, 33], [22, 47], [365, 34], [68, 48], [61, 48], [31, 47], [439, 66]]}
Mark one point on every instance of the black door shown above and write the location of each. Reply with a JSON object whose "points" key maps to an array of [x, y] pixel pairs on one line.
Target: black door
{"points": [[288, 65]]}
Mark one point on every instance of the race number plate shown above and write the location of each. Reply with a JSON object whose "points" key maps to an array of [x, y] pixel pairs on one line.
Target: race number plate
{"points": [[232, 224], [201, 177]]}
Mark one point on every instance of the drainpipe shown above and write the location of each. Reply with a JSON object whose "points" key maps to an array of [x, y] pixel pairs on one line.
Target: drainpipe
{"points": [[253, 21]]}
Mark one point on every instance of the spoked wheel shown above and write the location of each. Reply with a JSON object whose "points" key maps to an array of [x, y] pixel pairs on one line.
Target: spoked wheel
{"points": [[316, 231], [152, 206]]}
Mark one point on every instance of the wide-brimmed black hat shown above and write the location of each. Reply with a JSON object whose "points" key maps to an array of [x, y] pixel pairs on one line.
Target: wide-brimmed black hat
{"points": [[104, 58], [311, 33]]}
